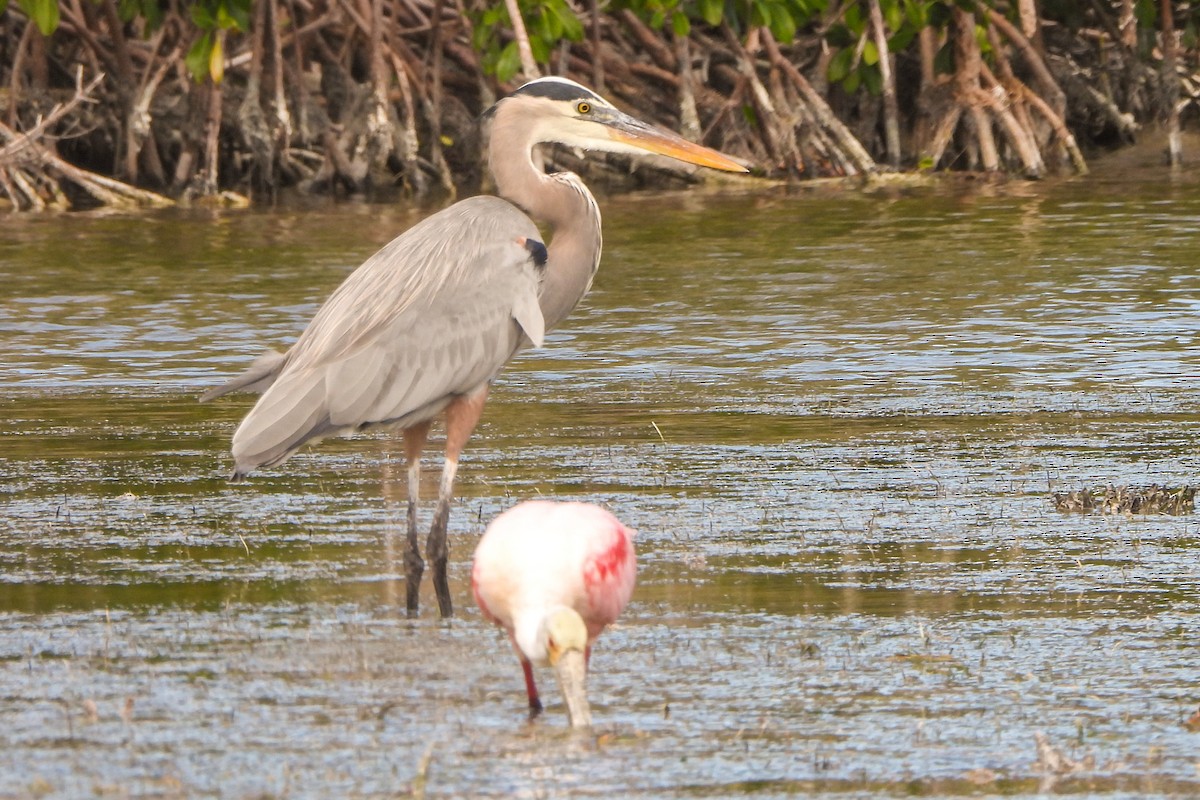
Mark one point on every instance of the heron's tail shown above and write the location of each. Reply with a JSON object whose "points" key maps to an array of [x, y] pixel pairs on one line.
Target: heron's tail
{"points": [[258, 378]]}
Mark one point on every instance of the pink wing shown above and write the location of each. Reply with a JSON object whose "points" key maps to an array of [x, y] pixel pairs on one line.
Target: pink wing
{"points": [[609, 571]]}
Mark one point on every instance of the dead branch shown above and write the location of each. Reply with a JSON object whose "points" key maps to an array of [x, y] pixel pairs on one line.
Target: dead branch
{"points": [[31, 173]]}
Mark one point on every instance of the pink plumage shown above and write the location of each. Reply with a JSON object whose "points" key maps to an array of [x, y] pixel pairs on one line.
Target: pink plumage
{"points": [[540, 556]]}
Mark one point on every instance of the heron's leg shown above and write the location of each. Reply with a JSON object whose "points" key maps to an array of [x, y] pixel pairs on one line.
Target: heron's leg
{"points": [[414, 567], [535, 702], [461, 417]]}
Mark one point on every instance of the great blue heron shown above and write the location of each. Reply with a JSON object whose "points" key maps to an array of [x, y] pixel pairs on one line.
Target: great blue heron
{"points": [[425, 324]]}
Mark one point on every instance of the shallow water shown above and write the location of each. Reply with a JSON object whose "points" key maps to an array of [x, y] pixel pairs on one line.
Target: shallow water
{"points": [[836, 419]]}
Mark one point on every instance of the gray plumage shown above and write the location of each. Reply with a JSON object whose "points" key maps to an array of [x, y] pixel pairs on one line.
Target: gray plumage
{"points": [[407, 331], [423, 326]]}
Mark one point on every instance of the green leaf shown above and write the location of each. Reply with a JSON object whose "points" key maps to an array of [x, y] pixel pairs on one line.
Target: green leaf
{"points": [[509, 62], [239, 12], [917, 13], [854, 20], [542, 26], [893, 15], [572, 28], [760, 14], [197, 59], [711, 11], [44, 14], [680, 24], [851, 84], [872, 78], [540, 48], [981, 38], [839, 65], [230, 15], [900, 42], [783, 25], [203, 17], [870, 54]]}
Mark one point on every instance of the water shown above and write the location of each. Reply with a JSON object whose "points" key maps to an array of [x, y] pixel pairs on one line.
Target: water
{"points": [[836, 418]]}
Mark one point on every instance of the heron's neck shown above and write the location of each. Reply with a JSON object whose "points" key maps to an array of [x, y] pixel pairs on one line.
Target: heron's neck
{"points": [[560, 200]]}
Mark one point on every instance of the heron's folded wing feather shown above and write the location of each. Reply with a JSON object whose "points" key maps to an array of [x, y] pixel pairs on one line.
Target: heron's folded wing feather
{"points": [[385, 355], [353, 385], [293, 411], [417, 271], [261, 374], [401, 379], [447, 355]]}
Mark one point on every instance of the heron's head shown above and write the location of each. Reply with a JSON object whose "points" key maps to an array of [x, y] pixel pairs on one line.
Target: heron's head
{"points": [[565, 637], [561, 110]]}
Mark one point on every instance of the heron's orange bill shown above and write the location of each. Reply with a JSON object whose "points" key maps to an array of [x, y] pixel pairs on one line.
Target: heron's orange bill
{"points": [[668, 144]]}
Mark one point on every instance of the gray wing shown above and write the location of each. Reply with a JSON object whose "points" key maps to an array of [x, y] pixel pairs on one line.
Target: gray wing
{"points": [[258, 378], [434, 314]]}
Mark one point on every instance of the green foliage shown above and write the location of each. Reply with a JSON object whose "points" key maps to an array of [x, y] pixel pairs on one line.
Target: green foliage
{"points": [[856, 63], [783, 17], [149, 10], [711, 11], [206, 58], [229, 15], [657, 12], [548, 22], [680, 24], [44, 14]]}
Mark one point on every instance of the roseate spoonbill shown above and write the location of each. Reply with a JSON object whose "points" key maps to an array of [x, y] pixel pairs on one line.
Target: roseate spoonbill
{"points": [[554, 575], [423, 326]]}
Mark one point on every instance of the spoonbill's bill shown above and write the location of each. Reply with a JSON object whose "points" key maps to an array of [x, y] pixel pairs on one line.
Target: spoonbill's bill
{"points": [[554, 575]]}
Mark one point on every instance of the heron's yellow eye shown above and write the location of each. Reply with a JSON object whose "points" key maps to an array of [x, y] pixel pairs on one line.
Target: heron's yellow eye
{"points": [[583, 107]]}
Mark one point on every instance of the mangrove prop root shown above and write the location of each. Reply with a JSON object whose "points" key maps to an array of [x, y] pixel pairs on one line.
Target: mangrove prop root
{"points": [[32, 174], [352, 95]]}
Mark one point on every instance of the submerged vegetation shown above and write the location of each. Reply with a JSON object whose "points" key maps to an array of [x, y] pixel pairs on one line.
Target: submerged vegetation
{"points": [[1152, 499], [196, 99]]}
